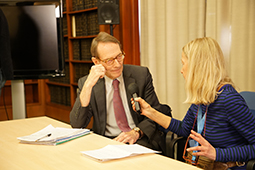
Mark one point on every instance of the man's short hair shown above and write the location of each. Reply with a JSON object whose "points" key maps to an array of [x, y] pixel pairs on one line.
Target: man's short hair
{"points": [[102, 37]]}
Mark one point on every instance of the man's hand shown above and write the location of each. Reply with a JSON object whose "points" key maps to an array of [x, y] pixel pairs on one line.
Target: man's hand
{"points": [[128, 137], [96, 72], [206, 149]]}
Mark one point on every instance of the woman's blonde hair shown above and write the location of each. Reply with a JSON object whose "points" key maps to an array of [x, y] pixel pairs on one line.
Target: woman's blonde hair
{"points": [[206, 71]]}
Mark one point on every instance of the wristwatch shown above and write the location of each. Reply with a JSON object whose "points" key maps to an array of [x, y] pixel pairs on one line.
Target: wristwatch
{"points": [[137, 129]]}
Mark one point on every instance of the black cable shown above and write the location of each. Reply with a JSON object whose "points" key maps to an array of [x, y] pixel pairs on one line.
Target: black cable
{"points": [[112, 27]]}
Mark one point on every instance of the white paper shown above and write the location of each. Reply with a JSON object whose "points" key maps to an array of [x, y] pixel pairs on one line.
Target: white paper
{"points": [[51, 134], [37, 135], [110, 152]]}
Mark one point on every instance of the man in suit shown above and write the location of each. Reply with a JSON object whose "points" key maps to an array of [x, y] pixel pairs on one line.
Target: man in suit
{"points": [[95, 96]]}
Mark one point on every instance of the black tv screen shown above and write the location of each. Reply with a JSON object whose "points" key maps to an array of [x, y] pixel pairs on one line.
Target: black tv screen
{"points": [[35, 40]]}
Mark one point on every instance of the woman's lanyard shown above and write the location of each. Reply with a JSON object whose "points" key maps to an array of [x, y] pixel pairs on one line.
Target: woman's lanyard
{"points": [[200, 126]]}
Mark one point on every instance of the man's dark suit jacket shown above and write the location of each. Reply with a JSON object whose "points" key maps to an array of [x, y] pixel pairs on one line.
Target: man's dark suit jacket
{"points": [[80, 116]]}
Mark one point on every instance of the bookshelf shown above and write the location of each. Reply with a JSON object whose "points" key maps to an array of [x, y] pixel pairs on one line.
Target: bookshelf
{"points": [[80, 26]]}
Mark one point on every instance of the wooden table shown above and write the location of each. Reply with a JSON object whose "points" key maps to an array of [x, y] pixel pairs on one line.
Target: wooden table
{"points": [[67, 156]]}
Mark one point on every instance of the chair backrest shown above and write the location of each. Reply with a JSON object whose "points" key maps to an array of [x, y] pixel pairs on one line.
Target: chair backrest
{"points": [[164, 108], [249, 97]]}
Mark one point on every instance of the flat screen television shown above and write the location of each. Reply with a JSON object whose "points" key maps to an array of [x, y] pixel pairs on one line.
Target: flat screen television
{"points": [[36, 41]]}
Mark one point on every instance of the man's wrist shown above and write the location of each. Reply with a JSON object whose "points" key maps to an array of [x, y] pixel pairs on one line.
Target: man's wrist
{"points": [[138, 130]]}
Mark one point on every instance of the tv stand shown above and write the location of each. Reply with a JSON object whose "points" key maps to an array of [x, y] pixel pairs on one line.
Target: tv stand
{"points": [[18, 99]]}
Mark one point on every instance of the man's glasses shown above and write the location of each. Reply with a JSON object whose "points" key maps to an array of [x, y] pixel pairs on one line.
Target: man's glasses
{"points": [[110, 61]]}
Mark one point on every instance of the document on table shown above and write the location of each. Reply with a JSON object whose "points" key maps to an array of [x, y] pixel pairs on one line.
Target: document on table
{"points": [[53, 136], [110, 152]]}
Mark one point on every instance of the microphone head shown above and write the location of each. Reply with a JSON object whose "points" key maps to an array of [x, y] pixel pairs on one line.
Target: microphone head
{"points": [[133, 88]]}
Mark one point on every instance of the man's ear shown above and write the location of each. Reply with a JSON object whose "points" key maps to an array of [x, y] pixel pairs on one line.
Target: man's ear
{"points": [[95, 61]]}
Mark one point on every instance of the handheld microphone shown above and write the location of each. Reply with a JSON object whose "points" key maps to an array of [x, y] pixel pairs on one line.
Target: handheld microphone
{"points": [[133, 90]]}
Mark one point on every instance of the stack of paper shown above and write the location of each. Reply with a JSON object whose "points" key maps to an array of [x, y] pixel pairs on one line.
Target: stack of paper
{"points": [[110, 152], [53, 136]]}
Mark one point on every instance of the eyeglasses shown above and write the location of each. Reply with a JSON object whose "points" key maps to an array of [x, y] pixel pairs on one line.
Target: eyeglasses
{"points": [[110, 61]]}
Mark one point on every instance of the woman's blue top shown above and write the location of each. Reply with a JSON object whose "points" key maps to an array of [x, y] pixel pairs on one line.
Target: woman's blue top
{"points": [[230, 126]]}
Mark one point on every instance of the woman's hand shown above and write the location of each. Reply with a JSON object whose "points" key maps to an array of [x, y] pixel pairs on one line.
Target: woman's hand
{"points": [[206, 149], [151, 113], [145, 108]]}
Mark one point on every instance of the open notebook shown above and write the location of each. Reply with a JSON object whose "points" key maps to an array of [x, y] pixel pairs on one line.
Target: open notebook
{"points": [[53, 136]]}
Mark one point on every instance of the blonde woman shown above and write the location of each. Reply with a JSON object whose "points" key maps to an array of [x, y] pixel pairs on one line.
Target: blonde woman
{"points": [[218, 120]]}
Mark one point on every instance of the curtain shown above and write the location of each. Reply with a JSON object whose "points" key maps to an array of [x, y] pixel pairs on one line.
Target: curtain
{"points": [[167, 25], [232, 24]]}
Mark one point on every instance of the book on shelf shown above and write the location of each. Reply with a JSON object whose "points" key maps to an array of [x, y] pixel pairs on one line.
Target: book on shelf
{"points": [[53, 136], [93, 27], [60, 95], [65, 25], [81, 70], [78, 24], [84, 24], [66, 51], [76, 50], [73, 26], [85, 49], [74, 5], [80, 4]]}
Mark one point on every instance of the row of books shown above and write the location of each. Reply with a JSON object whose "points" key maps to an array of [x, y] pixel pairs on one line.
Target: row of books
{"points": [[66, 51], [83, 4], [80, 4], [62, 79], [81, 69], [85, 24], [60, 95], [81, 49], [64, 5], [64, 21]]}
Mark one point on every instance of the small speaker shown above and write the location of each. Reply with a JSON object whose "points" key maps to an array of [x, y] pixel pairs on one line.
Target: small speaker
{"points": [[108, 12]]}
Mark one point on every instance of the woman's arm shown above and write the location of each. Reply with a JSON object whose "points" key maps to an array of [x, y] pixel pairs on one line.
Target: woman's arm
{"points": [[151, 113]]}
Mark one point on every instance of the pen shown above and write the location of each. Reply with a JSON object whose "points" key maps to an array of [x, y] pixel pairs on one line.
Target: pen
{"points": [[48, 135]]}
